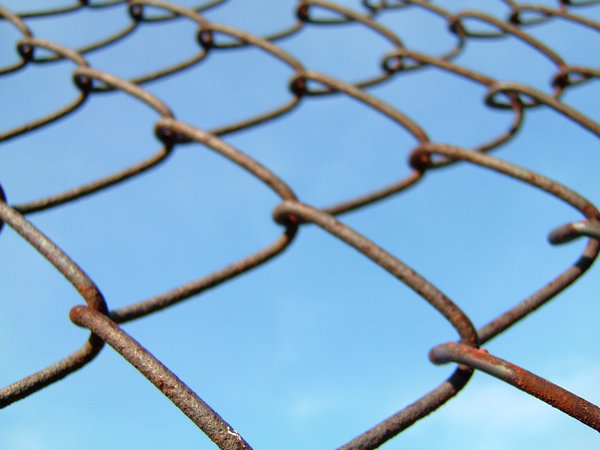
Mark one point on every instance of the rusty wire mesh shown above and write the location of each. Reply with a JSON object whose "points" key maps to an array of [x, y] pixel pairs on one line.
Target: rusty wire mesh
{"points": [[294, 84]]}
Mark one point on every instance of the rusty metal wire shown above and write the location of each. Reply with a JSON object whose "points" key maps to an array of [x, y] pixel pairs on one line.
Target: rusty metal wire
{"points": [[293, 213]]}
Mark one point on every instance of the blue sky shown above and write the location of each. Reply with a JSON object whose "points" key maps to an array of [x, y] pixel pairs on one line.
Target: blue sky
{"points": [[319, 344]]}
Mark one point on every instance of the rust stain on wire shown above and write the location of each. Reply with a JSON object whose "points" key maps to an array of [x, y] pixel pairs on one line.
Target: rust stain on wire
{"points": [[520, 378], [219, 431]]}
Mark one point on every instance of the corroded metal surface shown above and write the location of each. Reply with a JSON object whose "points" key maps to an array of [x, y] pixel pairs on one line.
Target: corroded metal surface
{"points": [[292, 213]]}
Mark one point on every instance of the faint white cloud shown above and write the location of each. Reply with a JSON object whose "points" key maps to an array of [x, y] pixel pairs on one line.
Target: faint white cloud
{"points": [[20, 438], [311, 406], [493, 415]]}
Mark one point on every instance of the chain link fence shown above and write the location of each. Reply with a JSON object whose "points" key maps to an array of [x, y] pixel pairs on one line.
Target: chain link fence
{"points": [[290, 90]]}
